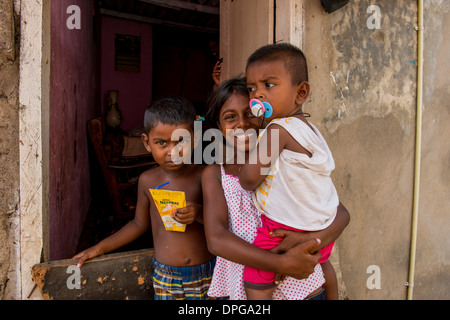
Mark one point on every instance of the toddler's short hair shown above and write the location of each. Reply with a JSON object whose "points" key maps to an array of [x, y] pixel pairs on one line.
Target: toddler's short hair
{"points": [[169, 110], [293, 57]]}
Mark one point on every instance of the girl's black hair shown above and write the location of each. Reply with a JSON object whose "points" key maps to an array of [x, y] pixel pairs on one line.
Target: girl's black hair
{"points": [[169, 110], [218, 98]]}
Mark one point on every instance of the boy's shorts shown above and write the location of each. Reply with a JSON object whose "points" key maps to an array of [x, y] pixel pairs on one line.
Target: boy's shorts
{"points": [[261, 279], [182, 283]]}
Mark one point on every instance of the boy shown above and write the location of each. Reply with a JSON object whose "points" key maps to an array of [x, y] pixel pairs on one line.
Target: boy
{"points": [[294, 191], [180, 257]]}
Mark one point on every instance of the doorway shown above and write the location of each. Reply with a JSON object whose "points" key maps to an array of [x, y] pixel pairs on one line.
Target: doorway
{"points": [[67, 65], [147, 49]]}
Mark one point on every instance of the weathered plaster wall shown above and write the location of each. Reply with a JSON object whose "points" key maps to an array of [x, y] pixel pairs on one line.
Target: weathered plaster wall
{"points": [[72, 103], [9, 149], [433, 254], [363, 99]]}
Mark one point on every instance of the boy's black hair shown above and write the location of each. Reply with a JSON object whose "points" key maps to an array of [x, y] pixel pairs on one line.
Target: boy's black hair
{"points": [[169, 110], [221, 95], [293, 57]]}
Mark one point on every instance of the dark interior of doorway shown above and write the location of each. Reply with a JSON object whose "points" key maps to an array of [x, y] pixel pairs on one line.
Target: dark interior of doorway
{"points": [[183, 59]]}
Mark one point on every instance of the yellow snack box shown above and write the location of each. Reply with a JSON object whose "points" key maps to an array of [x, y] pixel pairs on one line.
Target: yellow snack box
{"points": [[166, 202]]}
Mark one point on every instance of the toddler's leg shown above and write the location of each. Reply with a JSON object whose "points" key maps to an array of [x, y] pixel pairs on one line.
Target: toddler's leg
{"points": [[331, 285], [253, 294], [259, 284]]}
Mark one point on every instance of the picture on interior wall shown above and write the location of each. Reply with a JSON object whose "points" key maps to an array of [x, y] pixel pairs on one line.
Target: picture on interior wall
{"points": [[127, 52]]}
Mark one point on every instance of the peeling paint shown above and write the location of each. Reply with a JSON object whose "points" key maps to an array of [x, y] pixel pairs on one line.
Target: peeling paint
{"points": [[375, 59], [364, 101]]}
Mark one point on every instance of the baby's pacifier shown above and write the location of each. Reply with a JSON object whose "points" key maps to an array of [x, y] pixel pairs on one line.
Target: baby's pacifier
{"points": [[260, 108]]}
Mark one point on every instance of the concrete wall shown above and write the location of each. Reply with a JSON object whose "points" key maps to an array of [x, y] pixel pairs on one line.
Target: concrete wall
{"points": [[433, 254], [364, 100], [9, 149], [73, 102]]}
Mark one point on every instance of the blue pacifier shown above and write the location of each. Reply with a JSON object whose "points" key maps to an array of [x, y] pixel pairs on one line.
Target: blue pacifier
{"points": [[260, 108]]}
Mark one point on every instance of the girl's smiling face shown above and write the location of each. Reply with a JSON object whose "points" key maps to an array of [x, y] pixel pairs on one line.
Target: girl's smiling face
{"points": [[237, 124]]}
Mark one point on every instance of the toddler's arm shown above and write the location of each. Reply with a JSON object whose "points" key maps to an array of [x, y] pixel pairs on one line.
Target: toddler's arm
{"points": [[267, 151], [270, 145]]}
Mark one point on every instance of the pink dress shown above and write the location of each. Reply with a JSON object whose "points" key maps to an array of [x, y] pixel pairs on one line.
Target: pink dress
{"points": [[243, 220]]}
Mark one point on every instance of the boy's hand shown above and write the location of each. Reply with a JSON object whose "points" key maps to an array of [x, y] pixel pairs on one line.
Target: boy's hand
{"points": [[87, 254], [188, 214]]}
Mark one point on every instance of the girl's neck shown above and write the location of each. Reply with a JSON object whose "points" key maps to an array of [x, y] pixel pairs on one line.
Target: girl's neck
{"points": [[232, 163], [232, 169], [236, 157]]}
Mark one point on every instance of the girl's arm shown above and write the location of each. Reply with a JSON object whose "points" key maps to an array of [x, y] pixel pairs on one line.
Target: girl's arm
{"points": [[298, 262], [327, 236]]}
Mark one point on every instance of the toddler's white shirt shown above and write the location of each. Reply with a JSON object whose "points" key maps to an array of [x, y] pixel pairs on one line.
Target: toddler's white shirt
{"points": [[298, 190]]}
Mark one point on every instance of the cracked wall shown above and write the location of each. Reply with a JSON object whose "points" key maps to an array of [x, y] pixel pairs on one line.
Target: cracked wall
{"points": [[9, 149], [364, 100]]}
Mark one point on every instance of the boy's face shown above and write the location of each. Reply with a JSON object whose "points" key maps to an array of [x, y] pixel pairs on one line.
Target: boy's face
{"points": [[271, 82], [170, 145]]}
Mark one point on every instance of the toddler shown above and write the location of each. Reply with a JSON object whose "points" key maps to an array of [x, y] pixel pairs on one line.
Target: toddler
{"points": [[294, 191]]}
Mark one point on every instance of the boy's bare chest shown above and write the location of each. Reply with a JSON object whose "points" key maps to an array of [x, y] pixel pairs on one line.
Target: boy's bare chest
{"points": [[191, 186]]}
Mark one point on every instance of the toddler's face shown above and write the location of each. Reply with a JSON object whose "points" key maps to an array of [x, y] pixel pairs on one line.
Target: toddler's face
{"points": [[271, 82]]}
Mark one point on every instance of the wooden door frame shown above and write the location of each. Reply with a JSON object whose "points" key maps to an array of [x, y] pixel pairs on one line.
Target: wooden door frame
{"points": [[34, 116], [290, 22], [246, 25]]}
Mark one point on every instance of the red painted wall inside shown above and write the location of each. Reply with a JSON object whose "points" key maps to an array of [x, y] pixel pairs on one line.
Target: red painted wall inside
{"points": [[73, 102], [135, 88]]}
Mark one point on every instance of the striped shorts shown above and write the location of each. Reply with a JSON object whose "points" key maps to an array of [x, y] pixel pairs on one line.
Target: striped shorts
{"points": [[182, 283]]}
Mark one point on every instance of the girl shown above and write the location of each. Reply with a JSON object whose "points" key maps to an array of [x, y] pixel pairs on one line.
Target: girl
{"points": [[231, 219]]}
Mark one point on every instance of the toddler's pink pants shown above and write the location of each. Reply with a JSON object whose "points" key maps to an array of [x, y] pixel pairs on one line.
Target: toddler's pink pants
{"points": [[265, 279]]}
